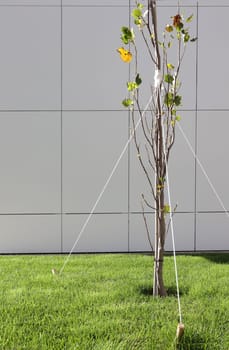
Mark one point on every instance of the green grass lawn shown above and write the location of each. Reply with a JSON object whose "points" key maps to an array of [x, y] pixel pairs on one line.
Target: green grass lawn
{"points": [[104, 302]]}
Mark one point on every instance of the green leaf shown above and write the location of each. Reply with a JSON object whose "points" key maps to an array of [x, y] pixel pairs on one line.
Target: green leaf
{"points": [[126, 31], [138, 21], [127, 35], [177, 100], [168, 99], [190, 18], [166, 209], [170, 66], [127, 102], [169, 44], [186, 37], [131, 86], [168, 78], [124, 39], [179, 26], [138, 80], [140, 6], [136, 13], [178, 118]]}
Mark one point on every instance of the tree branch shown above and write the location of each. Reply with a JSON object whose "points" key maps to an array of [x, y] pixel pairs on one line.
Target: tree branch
{"points": [[147, 229]]}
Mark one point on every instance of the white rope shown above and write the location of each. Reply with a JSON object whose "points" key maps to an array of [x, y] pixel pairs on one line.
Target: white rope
{"points": [[203, 170], [172, 228], [170, 205], [157, 83], [104, 187]]}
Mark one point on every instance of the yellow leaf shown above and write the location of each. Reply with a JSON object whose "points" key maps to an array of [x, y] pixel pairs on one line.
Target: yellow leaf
{"points": [[169, 28], [125, 55], [170, 66]]}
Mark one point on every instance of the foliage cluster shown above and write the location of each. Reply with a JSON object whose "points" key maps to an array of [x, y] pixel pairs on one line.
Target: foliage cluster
{"points": [[158, 118]]}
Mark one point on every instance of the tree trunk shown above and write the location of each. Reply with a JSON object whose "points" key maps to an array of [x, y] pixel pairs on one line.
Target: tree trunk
{"points": [[160, 227], [159, 128], [158, 283]]}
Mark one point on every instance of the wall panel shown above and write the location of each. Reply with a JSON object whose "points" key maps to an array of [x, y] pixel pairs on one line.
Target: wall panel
{"points": [[213, 144], [212, 80], [212, 231], [30, 162], [30, 234], [30, 58], [104, 233], [93, 75], [92, 143], [63, 127]]}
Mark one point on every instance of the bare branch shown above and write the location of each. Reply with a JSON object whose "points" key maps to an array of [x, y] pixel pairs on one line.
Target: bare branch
{"points": [[147, 203], [148, 48], [147, 228], [149, 159], [142, 123], [152, 5], [140, 158]]}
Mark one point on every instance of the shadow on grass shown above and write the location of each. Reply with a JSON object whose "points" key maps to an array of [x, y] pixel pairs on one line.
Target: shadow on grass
{"points": [[192, 342], [171, 291], [219, 258], [146, 290]]}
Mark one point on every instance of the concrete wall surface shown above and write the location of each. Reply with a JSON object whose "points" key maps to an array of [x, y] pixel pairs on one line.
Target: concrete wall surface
{"points": [[63, 127]]}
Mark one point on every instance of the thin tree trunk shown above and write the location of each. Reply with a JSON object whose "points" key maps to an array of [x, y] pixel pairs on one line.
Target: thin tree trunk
{"points": [[159, 131], [158, 283], [159, 288]]}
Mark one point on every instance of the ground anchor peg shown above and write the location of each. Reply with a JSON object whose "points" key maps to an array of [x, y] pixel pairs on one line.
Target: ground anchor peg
{"points": [[180, 331]]}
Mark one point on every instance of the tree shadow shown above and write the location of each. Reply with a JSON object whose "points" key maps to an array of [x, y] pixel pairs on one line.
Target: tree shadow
{"points": [[171, 291], [219, 258], [146, 290]]}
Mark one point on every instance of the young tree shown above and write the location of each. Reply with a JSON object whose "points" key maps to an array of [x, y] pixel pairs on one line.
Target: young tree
{"points": [[158, 123]]}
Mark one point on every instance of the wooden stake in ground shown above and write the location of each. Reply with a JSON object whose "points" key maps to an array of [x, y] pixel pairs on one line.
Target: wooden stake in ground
{"points": [[55, 272], [180, 331]]}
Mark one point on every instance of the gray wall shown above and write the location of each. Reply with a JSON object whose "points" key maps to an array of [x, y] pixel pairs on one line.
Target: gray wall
{"points": [[62, 128]]}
